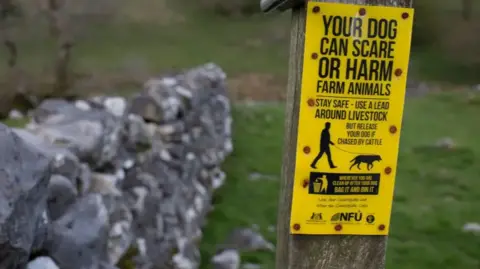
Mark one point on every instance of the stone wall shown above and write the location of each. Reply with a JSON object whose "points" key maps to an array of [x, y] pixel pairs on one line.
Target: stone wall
{"points": [[87, 183]]}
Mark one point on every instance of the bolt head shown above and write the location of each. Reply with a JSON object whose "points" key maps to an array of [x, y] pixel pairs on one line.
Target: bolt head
{"points": [[314, 56], [305, 183], [306, 149], [388, 170], [393, 129], [381, 227], [338, 227], [311, 102], [398, 72], [405, 15], [316, 9], [296, 226], [362, 11]]}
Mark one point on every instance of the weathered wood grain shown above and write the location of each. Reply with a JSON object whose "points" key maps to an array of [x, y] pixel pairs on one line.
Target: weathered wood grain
{"points": [[283, 5], [305, 251]]}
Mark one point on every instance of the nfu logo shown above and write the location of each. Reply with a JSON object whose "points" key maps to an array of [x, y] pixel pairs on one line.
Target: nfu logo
{"points": [[347, 216]]}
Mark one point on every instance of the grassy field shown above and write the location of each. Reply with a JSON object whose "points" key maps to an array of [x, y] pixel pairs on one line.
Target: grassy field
{"points": [[437, 190]]}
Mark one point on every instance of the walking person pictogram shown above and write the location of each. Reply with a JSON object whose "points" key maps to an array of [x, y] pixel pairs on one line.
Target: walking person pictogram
{"points": [[325, 143]]}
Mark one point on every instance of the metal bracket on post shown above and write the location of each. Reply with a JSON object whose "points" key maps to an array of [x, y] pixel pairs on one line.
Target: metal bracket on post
{"points": [[278, 5]]}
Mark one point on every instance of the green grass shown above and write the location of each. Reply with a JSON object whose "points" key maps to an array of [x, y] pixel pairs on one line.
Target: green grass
{"points": [[437, 191], [15, 123], [432, 65]]}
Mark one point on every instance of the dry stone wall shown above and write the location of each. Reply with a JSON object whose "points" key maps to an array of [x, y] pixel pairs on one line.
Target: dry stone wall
{"points": [[85, 183]]}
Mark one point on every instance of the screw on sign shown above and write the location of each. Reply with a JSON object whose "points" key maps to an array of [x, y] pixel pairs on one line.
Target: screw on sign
{"points": [[381, 227], [404, 15], [338, 227], [305, 183], [296, 226], [314, 56], [388, 170], [316, 9], [310, 102], [362, 12], [306, 149], [398, 72], [393, 129]]}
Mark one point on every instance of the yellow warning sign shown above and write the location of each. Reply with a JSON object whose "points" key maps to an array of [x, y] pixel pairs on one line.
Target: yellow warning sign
{"points": [[353, 89]]}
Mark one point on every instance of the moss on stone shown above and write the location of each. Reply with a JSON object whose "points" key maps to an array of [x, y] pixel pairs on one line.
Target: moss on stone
{"points": [[126, 262]]}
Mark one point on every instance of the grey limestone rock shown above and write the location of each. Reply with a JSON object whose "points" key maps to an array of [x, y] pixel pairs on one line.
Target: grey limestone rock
{"points": [[64, 162], [79, 237], [472, 227], [246, 239], [52, 107], [25, 174], [226, 259], [42, 263], [251, 266], [61, 195], [92, 135]]}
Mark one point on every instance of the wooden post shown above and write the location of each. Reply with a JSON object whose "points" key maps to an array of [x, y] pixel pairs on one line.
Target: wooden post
{"points": [[315, 251]]}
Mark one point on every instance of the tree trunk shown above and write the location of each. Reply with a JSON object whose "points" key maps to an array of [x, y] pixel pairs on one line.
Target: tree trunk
{"points": [[59, 31], [467, 9]]}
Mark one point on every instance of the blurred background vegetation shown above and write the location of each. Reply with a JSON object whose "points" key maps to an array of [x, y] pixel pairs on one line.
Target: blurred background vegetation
{"points": [[446, 39]]}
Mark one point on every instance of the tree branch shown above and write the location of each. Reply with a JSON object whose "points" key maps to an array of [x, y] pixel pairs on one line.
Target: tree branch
{"points": [[7, 8]]}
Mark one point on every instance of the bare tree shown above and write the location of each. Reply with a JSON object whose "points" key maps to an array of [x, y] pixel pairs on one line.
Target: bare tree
{"points": [[8, 82], [59, 29], [15, 87], [467, 9], [8, 9]]}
